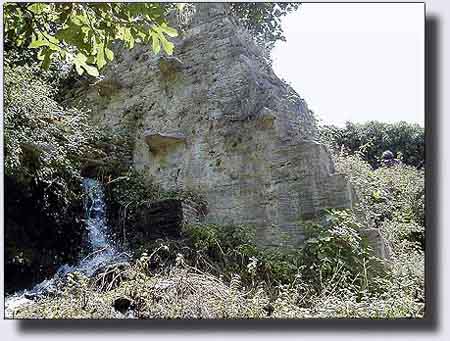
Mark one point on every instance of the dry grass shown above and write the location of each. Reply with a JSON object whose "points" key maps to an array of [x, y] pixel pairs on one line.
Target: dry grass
{"points": [[186, 293]]}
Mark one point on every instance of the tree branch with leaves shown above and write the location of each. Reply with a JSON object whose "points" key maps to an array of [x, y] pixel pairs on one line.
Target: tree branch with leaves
{"points": [[83, 33]]}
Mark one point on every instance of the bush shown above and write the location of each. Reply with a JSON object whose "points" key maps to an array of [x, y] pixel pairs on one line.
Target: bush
{"points": [[336, 249], [405, 140], [44, 142], [392, 198], [332, 249]]}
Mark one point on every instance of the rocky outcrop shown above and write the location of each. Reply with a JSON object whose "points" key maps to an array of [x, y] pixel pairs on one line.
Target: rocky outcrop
{"points": [[215, 117], [159, 142], [163, 219]]}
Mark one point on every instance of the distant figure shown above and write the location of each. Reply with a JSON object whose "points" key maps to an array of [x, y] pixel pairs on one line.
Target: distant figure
{"points": [[421, 165], [388, 160]]}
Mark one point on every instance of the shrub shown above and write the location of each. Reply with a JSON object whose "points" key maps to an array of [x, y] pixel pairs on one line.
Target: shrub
{"points": [[332, 249], [44, 142], [405, 140], [336, 249], [392, 198]]}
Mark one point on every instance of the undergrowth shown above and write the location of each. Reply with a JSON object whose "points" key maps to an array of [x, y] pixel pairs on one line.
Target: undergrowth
{"points": [[219, 272]]}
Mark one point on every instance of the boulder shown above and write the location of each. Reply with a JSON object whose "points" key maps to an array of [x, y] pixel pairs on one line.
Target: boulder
{"points": [[122, 304], [90, 167], [163, 218]]}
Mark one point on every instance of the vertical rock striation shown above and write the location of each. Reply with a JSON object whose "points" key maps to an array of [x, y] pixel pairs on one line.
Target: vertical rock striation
{"points": [[215, 116]]}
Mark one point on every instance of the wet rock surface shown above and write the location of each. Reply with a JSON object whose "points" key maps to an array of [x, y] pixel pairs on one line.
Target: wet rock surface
{"points": [[102, 254], [36, 244]]}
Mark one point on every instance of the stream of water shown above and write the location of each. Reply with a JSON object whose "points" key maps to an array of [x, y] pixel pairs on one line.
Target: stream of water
{"points": [[100, 249]]}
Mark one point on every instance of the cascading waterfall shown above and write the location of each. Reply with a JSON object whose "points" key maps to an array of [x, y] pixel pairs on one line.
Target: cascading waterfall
{"points": [[94, 208], [101, 250]]}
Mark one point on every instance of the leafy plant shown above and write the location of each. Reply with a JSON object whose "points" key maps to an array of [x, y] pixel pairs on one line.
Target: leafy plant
{"points": [[336, 249], [82, 34], [391, 198], [44, 142]]}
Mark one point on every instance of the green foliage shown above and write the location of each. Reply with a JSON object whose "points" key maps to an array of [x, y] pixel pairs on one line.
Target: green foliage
{"points": [[405, 140], [46, 148], [132, 188], [332, 249], [393, 198], [204, 236], [44, 142], [263, 19], [47, 144], [82, 34], [336, 248], [224, 250]]}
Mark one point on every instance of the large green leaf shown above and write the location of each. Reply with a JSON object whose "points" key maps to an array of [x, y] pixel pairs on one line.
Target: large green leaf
{"points": [[155, 42], [80, 62], [38, 43], [91, 70], [170, 31], [101, 61], [167, 45], [47, 59], [109, 54]]}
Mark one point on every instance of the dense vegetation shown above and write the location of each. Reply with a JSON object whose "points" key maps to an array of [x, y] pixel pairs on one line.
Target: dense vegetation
{"points": [[211, 271], [405, 140]]}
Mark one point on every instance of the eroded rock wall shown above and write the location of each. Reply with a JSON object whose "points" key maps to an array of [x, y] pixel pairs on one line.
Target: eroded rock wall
{"points": [[215, 117]]}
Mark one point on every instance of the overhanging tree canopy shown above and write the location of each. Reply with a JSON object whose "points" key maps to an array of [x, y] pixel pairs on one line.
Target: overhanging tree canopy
{"points": [[82, 33]]}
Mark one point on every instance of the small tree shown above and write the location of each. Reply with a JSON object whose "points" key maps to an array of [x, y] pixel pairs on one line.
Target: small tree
{"points": [[263, 19]]}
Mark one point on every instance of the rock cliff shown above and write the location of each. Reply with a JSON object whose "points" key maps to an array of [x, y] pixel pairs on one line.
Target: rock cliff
{"points": [[215, 117]]}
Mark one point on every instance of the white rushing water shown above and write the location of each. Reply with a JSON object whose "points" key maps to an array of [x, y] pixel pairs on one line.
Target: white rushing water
{"points": [[101, 250]]}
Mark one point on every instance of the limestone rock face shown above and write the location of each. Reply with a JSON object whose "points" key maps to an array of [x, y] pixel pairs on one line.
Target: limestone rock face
{"points": [[215, 117]]}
